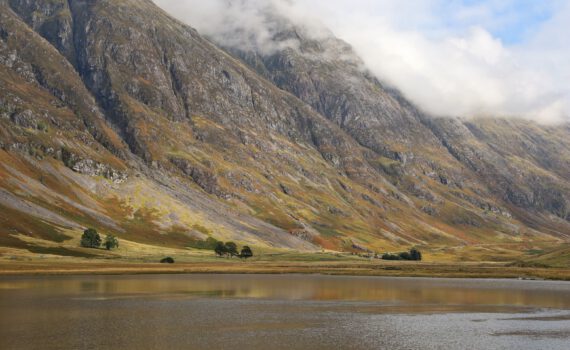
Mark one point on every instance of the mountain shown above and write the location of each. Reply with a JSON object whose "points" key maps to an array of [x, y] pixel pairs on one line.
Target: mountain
{"points": [[115, 116], [474, 159]]}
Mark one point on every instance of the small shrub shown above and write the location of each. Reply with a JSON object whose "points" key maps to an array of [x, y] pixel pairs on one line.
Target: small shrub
{"points": [[390, 257], [42, 126], [167, 260]]}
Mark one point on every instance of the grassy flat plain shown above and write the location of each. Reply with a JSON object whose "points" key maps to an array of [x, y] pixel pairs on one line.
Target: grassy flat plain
{"points": [[279, 263], [68, 258]]}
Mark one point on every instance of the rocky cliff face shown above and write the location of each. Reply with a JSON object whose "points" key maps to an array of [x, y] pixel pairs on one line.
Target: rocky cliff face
{"points": [[477, 157], [114, 115], [524, 164]]}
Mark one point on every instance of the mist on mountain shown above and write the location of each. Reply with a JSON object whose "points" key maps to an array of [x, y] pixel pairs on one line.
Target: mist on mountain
{"points": [[460, 69]]}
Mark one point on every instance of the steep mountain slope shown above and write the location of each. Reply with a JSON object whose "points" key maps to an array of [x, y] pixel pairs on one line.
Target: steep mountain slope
{"points": [[474, 160], [177, 111], [524, 164], [116, 116]]}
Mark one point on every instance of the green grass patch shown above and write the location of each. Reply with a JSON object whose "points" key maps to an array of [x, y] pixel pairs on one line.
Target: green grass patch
{"points": [[60, 251], [326, 230], [207, 244]]}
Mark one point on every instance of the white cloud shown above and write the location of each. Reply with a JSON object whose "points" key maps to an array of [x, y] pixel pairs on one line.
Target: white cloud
{"points": [[447, 62], [242, 23]]}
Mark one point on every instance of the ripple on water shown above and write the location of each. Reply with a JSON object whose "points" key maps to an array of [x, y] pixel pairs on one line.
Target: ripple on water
{"points": [[282, 312]]}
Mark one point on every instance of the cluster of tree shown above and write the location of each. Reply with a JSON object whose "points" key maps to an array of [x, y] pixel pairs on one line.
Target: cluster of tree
{"points": [[92, 239], [230, 249], [413, 254]]}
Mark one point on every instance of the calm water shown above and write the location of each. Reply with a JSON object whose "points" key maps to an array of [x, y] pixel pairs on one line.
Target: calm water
{"points": [[281, 312]]}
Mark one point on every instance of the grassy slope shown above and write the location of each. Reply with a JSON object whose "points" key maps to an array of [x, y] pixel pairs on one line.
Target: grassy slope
{"points": [[556, 257]]}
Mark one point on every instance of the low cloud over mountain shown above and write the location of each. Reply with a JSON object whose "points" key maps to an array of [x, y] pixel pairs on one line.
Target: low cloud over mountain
{"points": [[493, 58]]}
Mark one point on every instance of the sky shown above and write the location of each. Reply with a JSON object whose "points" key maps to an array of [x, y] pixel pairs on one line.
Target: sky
{"points": [[467, 58]]}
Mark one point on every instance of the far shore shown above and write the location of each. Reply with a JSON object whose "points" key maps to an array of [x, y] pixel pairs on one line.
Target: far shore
{"points": [[234, 266]]}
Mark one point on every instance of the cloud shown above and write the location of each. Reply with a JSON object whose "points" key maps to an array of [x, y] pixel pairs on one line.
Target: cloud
{"points": [[505, 58], [246, 24]]}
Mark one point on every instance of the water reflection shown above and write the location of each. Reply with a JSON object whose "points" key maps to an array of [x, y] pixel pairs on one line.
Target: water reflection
{"points": [[304, 287], [281, 312]]}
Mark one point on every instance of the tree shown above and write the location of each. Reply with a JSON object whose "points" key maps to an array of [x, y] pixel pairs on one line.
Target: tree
{"points": [[416, 254], [231, 248], [405, 256], [167, 260], [246, 252], [220, 249], [90, 239], [111, 242], [388, 256]]}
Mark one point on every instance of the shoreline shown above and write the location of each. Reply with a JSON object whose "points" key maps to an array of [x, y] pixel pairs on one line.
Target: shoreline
{"points": [[429, 270]]}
